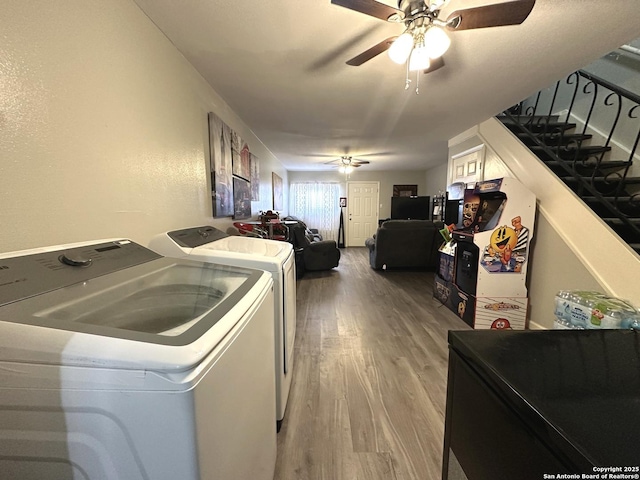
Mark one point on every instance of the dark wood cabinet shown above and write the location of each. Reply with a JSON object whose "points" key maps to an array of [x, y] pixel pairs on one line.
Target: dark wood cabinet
{"points": [[522, 405]]}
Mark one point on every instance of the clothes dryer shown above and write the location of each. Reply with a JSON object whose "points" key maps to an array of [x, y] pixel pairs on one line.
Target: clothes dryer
{"points": [[117, 363], [209, 244]]}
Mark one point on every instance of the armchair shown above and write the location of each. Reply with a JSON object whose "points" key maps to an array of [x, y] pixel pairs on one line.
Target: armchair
{"points": [[316, 255], [311, 233]]}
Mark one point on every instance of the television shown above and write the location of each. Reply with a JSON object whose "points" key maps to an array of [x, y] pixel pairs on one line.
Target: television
{"points": [[411, 208]]}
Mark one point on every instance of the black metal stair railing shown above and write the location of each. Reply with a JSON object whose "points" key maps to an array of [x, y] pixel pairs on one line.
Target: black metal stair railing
{"points": [[597, 161]]}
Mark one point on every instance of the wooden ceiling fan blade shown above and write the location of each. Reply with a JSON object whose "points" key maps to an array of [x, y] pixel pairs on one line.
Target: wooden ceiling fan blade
{"points": [[495, 15], [435, 65], [372, 52], [370, 7], [357, 163]]}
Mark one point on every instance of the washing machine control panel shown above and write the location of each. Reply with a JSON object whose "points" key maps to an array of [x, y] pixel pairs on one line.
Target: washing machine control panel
{"points": [[29, 275], [197, 236]]}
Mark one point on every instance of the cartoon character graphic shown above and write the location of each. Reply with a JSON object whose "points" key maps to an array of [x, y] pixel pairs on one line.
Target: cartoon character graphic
{"points": [[501, 324], [520, 250], [469, 210], [498, 255], [507, 249], [462, 307], [442, 293]]}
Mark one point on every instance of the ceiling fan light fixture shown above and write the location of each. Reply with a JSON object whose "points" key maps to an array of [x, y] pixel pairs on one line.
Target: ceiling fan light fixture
{"points": [[436, 41], [346, 169], [401, 48], [420, 59]]}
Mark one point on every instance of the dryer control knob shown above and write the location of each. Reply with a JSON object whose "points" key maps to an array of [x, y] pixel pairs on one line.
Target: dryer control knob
{"points": [[75, 260]]}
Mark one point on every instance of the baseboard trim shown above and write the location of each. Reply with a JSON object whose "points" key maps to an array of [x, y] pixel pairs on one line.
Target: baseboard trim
{"points": [[536, 326]]}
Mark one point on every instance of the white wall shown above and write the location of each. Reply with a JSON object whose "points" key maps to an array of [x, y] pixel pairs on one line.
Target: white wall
{"points": [[387, 180], [436, 178], [103, 127]]}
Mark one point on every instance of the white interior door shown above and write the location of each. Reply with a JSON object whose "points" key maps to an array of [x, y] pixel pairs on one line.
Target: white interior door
{"points": [[467, 167], [362, 212]]}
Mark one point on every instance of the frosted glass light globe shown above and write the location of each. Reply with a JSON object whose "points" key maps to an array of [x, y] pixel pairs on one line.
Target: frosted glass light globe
{"points": [[419, 59], [401, 48], [436, 41]]}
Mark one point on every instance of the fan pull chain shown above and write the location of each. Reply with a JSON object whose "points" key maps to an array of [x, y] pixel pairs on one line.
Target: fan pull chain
{"points": [[418, 82], [407, 81]]}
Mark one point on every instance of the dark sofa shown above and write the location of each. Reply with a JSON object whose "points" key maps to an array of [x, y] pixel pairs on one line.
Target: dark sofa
{"points": [[405, 244]]}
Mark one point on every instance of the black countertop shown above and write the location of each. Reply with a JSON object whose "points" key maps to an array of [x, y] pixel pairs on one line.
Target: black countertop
{"points": [[578, 390]]}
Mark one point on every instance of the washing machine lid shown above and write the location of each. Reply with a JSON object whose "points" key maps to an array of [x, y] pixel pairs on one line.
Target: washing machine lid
{"points": [[207, 243], [118, 304], [250, 246]]}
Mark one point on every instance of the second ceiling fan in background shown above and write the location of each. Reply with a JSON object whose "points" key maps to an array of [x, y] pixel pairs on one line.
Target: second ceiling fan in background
{"points": [[346, 163], [424, 39]]}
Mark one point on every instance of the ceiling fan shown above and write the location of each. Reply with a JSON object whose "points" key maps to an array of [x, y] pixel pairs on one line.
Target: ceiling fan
{"points": [[424, 39], [346, 164]]}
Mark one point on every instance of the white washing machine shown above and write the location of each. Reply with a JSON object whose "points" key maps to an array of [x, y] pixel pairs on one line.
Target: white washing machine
{"points": [[212, 245], [117, 363]]}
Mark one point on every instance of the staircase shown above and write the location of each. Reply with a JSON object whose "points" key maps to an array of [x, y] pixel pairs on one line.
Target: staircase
{"points": [[597, 167]]}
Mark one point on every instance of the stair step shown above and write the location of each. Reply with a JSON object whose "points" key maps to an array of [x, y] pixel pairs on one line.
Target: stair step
{"points": [[604, 185], [623, 204], [629, 233], [584, 168], [553, 139], [571, 153], [606, 180], [619, 221], [621, 199], [525, 119], [551, 127], [590, 164]]}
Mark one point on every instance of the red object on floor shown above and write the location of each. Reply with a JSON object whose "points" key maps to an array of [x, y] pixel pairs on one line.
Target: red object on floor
{"points": [[250, 230]]}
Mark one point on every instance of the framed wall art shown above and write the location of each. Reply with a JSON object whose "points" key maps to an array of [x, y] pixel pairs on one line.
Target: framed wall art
{"points": [[241, 198], [240, 156], [220, 166], [278, 202], [405, 190], [255, 178]]}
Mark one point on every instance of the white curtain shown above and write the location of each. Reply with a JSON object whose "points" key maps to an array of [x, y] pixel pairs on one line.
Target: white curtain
{"points": [[318, 205]]}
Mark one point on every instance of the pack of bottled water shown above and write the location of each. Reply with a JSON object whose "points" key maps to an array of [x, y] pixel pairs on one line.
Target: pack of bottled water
{"points": [[579, 309]]}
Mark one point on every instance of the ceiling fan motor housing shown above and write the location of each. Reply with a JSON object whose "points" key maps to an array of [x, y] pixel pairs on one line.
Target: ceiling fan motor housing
{"points": [[416, 13]]}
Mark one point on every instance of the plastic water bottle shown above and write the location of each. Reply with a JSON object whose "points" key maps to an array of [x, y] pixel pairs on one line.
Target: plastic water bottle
{"points": [[580, 309], [563, 309], [631, 320]]}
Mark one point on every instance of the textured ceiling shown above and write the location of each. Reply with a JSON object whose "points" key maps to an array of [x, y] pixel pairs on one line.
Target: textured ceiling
{"points": [[280, 65]]}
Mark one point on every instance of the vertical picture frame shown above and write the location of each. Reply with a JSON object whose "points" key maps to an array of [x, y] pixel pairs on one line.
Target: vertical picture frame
{"points": [[278, 202], [220, 135], [241, 198], [240, 157], [255, 178]]}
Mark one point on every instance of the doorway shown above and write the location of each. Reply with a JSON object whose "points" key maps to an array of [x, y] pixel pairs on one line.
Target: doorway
{"points": [[363, 204]]}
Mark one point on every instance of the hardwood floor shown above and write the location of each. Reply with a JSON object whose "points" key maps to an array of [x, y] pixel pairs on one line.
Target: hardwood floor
{"points": [[368, 394]]}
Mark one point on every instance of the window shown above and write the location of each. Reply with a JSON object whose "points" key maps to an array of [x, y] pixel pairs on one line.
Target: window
{"points": [[318, 205]]}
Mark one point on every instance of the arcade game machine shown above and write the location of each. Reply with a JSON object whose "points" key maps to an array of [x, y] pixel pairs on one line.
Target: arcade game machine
{"points": [[483, 265]]}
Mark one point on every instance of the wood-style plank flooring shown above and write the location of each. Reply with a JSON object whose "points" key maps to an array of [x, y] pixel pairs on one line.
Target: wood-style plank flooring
{"points": [[369, 385]]}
